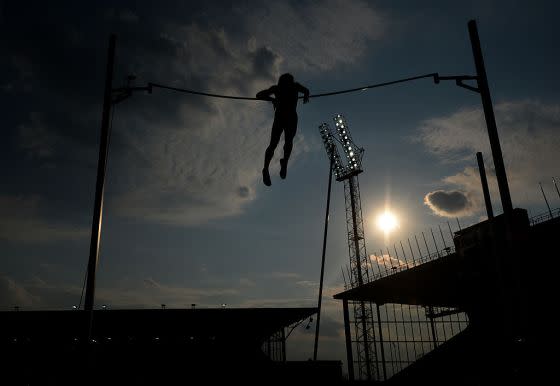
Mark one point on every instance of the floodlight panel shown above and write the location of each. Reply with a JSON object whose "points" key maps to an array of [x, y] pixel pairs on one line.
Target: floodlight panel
{"points": [[331, 149], [352, 152]]}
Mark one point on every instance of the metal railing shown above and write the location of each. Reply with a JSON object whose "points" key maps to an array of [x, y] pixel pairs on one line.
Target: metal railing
{"points": [[384, 271], [542, 217], [387, 264]]}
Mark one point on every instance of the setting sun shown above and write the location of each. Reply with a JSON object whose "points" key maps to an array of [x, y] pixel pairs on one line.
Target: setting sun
{"points": [[387, 222]]}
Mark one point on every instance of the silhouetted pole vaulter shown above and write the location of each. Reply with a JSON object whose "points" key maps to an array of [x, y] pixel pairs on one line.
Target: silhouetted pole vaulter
{"points": [[286, 94], [317, 327]]}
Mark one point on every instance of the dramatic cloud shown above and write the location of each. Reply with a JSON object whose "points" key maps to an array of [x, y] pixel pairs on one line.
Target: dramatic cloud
{"points": [[317, 35], [174, 158], [451, 203], [530, 138]]}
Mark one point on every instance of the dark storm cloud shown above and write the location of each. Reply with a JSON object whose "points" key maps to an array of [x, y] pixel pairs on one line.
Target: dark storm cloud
{"points": [[264, 61], [58, 68], [53, 102], [449, 203]]}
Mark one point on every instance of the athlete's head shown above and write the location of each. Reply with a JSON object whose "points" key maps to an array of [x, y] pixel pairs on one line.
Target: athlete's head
{"points": [[285, 79]]}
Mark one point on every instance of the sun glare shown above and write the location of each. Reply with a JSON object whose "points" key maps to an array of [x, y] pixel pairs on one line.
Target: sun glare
{"points": [[387, 222]]}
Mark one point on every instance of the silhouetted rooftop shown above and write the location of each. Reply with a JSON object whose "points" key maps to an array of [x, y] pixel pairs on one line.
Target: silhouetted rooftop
{"points": [[148, 346], [259, 323]]}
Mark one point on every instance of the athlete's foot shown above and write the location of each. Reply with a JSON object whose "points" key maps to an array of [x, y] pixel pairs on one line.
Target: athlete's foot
{"points": [[266, 177], [283, 168]]}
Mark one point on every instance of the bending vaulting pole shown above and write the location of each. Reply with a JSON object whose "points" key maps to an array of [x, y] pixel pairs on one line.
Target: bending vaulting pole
{"points": [[315, 348], [100, 185]]}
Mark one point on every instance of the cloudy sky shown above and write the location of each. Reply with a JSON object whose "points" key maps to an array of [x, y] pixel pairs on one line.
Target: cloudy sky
{"points": [[187, 218]]}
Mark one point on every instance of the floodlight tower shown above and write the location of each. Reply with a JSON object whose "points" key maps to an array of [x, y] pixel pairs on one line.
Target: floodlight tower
{"points": [[348, 172]]}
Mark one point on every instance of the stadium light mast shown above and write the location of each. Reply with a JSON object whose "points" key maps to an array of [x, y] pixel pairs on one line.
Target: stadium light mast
{"points": [[348, 172]]}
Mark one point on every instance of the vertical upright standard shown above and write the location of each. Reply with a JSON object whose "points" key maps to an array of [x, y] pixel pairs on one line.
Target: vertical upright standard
{"points": [[100, 184], [497, 156], [484, 182]]}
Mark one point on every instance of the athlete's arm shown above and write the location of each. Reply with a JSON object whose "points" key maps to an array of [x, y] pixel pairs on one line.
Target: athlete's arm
{"points": [[304, 91], [265, 95]]}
